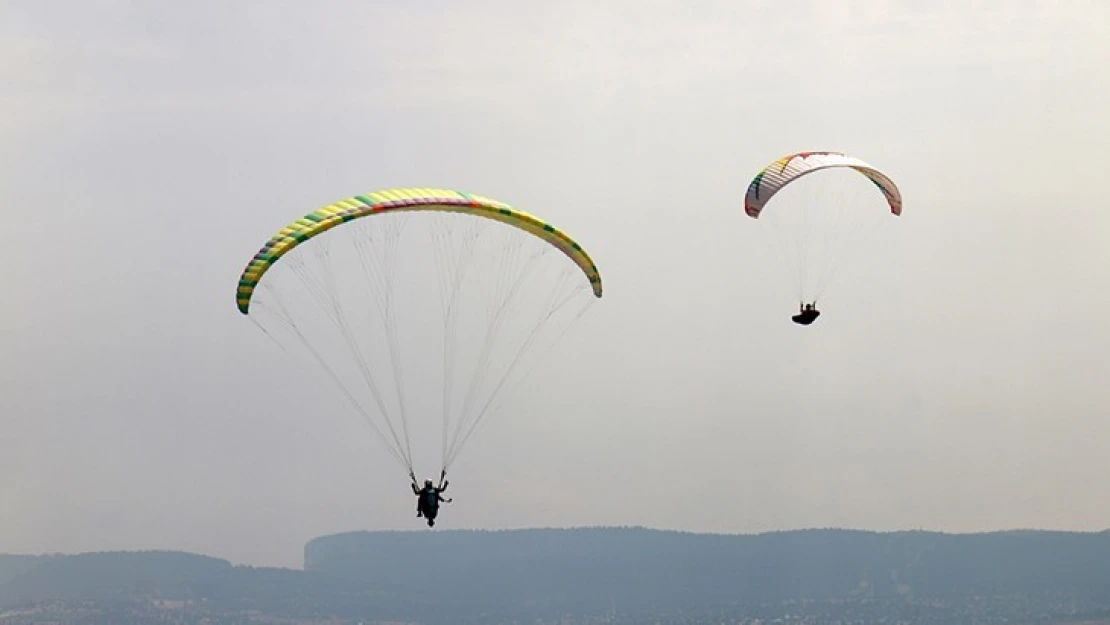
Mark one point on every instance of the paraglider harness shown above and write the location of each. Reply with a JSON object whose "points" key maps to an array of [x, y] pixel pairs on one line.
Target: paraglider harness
{"points": [[427, 504], [807, 314]]}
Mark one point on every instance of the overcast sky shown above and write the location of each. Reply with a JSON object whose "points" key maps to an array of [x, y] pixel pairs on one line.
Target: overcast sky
{"points": [[957, 380]]}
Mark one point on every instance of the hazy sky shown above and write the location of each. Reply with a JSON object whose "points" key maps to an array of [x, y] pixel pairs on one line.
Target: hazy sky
{"points": [[958, 380]]}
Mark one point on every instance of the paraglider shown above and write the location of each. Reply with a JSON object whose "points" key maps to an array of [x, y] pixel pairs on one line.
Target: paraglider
{"points": [[816, 211], [427, 500], [432, 285], [807, 314]]}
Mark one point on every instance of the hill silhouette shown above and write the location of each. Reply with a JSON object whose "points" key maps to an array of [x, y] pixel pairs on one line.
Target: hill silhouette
{"points": [[666, 570], [130, 579], [495, 576], [12, 566]]}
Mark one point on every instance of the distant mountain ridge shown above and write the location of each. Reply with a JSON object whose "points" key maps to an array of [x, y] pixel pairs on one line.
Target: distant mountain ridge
{"points": [[665, 569], [467, 576], [141, 578], [12, 566]]}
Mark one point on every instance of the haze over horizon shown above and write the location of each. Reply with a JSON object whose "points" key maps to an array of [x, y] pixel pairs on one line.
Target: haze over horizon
{"points": [[955, 382]]}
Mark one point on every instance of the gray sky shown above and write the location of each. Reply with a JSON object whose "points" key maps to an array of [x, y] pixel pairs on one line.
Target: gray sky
{"points": [[148, 148]]}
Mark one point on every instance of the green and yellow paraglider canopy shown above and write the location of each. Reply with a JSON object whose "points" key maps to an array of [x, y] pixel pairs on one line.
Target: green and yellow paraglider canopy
{"points": [[395, 200]]}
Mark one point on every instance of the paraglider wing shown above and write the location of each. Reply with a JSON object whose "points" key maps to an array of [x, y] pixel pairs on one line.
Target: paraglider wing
{"points": [[782, 172], [477, 289], [394, 200]]}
